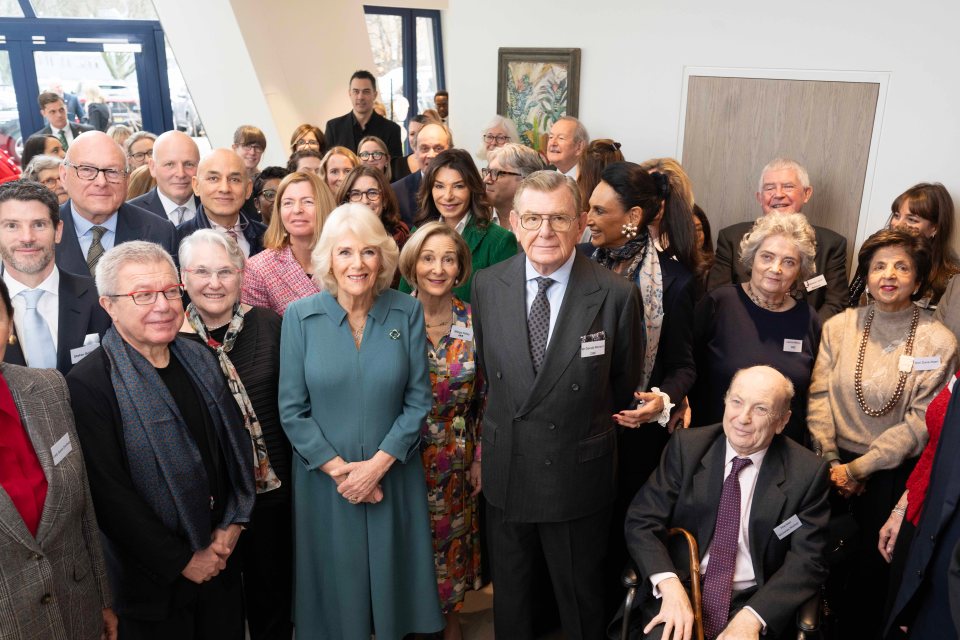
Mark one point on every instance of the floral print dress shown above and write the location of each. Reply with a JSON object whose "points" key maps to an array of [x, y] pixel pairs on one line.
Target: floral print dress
{"points": [[447, 448]]}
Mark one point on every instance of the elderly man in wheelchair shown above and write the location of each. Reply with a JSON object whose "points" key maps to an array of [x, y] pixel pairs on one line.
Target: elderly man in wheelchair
{"points": [[755, 505]]}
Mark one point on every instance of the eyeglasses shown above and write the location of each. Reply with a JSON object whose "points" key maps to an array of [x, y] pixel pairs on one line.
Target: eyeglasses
{"points": [[489, 137], [375, 155], [149, 297], [532, 222], [87, 172], [494, 174], [306, 143], [253, 146], [371, 194], [269, 194], [141, 155], [223, 275]]}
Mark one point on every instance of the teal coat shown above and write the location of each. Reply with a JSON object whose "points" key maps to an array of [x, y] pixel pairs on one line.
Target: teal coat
{"points": [[487, 247], [338, 400]]}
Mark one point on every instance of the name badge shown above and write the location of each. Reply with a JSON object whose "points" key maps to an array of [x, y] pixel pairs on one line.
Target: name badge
{"points": [[815, 283], [78, 354], [906, 364], [461, 333], [61, 448], [590, 349], [787, 527], [793, 346], [927, 364]]}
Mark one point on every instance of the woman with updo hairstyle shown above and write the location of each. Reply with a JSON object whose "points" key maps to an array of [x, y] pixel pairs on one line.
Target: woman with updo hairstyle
{"points": [[41, 145], [593, 160], [759, 322]]}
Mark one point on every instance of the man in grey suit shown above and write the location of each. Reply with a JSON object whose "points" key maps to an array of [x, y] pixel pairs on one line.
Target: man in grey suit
{"points": [[96, 218], [757, 504], [173, 164], [560, 341], [52, 571]]}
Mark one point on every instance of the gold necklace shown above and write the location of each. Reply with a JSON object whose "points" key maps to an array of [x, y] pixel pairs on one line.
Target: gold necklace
{"points": [[449, 321], [769, 306], [902, 375], [357, 331]]}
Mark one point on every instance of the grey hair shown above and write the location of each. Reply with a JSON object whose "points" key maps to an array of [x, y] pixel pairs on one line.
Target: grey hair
{"points": [[435, 123], [547, 181], [38, 164], [135, 251], [366, 226], [517, 156], [580, 133], [779, 164], [210, 237], [135, 138], [794, 227], [504, 123]]}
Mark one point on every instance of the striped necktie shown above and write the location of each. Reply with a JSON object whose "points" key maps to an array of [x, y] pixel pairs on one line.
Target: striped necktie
{"points": [[96, 249]]}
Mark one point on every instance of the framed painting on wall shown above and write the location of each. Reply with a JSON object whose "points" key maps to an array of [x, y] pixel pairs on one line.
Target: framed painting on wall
{"points": [[535, 87]]}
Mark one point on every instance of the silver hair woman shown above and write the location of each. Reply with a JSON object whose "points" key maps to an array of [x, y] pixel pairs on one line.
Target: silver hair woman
{"points": [[795, 229], [46, 170], [498, 132]]}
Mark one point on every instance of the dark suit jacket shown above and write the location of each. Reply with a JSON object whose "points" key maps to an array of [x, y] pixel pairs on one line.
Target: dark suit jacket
{"points": [[133, 223], [253, 232], [64, 559], [406, 191], [75, 127], [549, 443], [685, 492], [150, 201], [339, 133], [831, 261], [80, 314]]}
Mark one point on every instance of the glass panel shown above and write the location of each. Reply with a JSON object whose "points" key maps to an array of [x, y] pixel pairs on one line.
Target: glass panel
{"points": [[10, 139], [426, 65], [386, 43], [102, 9], [185, 117], [10, 9], [92, 75]]}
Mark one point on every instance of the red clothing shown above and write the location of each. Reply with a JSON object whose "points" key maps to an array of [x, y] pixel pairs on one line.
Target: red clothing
{"points": [[9, 170], [919, 480], [20, 472]]}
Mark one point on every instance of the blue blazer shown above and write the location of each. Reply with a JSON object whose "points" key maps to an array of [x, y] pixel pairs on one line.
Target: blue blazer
{"points": [[133, 223], [406, 191], [80, 314], [150, 201], [253, 232]]}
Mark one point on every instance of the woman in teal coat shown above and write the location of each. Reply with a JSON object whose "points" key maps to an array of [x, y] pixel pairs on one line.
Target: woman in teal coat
{"points": [[453, 191], [354, 393]]}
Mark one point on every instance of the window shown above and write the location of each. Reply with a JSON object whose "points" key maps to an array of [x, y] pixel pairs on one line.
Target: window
{"points": [[101, 9]]}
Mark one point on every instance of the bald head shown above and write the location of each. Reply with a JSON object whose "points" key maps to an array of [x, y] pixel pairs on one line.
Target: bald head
{"points": [[756, 408], [94, 145], [174, 164], [222, 186], [432, 140], [99, 198]]}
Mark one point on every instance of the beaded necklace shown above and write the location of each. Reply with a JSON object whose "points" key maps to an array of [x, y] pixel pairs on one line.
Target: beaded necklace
{"points": [[902, 375]]}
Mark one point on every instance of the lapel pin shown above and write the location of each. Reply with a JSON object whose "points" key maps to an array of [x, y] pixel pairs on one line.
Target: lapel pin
{"points": [[394, 334]]}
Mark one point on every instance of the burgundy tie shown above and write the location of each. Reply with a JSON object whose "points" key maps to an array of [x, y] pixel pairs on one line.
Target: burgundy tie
{"points": [[718, 581]]}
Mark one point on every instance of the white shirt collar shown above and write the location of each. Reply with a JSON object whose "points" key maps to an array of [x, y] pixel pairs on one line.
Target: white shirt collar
{"points": [[560, 276], [169, 206], [50, 284], [756, 457], [464, 221]]}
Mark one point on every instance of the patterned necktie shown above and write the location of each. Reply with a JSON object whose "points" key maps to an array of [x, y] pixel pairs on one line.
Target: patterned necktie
{"points": [[232, 232], [718, 581], [178, 214], [538, 323], [63, 141], [96, 249], [39, 348]]}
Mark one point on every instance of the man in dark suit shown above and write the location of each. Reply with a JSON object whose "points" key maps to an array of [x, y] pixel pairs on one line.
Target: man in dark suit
{"points": [[560, 340], [348, 130], [173, 164], [785, 188], [95, 219], [223, 186], [757, 504], [54, 110], [57, 317], [432, 140]]}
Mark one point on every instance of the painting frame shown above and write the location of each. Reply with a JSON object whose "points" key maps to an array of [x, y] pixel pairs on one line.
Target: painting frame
{"points": [[545, 63]]}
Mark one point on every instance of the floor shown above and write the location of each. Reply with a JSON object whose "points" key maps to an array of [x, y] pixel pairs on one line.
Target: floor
{"points": [[476, 617]]}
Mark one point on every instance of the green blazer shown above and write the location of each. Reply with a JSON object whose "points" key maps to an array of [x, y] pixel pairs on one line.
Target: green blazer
{"points": [[487, 247]]}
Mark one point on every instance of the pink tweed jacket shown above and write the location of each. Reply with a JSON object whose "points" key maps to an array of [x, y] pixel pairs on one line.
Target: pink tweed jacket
{"points": [[273, 279]]}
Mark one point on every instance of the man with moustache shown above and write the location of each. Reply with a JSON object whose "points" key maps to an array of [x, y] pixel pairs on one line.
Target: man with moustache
{"points": [[222, 184], [567, 139], [432, 140], [348, 130], [57, 319], [173, 164]]}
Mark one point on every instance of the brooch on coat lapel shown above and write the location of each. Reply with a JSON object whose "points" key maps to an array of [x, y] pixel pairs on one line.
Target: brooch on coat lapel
{"points": [[394, 334]]}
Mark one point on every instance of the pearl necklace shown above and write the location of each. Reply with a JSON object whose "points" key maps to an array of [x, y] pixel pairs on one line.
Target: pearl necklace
{"points": [[769, 306], [902, 375]]}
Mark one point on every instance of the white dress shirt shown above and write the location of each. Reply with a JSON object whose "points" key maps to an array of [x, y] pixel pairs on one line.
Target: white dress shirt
{"points": [[241, 239], [169, 206], [48, 306], [554, 293], [67, 133]]}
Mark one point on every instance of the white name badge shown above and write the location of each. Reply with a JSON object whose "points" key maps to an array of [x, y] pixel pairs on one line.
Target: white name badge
{"points": [[461, 333], [78, 354], [815, 283], [595, 348], [787, 527], [793, 346], [927, 364], [906, 364], [61, 448]]}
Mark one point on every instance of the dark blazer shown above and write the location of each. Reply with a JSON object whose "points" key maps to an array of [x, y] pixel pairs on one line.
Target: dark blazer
{"points": [[80, 314], [64, 560], [150, 201], [75, 127], [133, 223], [685, 492], [339, 133], [74, 108], [549, 444], [253, 232], [930, 579], [830, 260], [406, 191], [98, 116]]}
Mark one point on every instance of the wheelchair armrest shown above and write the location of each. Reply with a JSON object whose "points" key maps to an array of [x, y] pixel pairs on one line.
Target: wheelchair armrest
{"points": [[808, 615], [629, 577]]}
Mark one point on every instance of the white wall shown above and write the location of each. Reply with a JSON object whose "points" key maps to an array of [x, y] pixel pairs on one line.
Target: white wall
{"points": [[634, 53]]}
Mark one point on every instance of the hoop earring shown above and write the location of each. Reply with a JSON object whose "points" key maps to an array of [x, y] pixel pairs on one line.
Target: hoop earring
{"points": [[629, 230]]}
